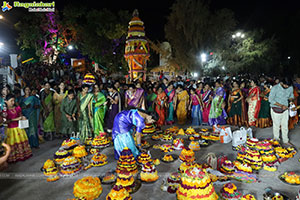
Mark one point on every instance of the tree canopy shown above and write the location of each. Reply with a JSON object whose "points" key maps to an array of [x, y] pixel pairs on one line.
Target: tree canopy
{"points": [[251, 54], [99, 34], [192, 28]]}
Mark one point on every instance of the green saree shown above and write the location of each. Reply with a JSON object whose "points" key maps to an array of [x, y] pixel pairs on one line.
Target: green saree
{"points": [[150, 99], [31, 114], [98, 110], [85, 127], [48, 124]]}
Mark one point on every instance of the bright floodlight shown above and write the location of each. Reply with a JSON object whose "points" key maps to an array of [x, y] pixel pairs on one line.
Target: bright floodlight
{"points": [[243, 35], [203, 57], [289, 57], [223, 67], [1, 44], [70, 47], [233, 36], [195, 74], [238, 34], [1, 17]]}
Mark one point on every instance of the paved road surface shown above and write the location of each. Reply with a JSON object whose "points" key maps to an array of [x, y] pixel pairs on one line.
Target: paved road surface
{"points": [[24, 181]]}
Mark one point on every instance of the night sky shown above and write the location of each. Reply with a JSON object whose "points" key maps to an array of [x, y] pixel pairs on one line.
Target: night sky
{"points": [[250, 14]]}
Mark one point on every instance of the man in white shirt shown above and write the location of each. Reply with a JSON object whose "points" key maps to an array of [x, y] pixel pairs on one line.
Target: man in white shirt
{"points": [[279, 98]]}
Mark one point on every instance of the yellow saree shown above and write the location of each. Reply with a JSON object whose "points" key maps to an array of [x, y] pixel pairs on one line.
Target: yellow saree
{"points": [[182, 102]]}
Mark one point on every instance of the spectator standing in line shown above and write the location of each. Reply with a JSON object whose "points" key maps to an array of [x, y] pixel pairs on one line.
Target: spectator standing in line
{"points": [[279, 98]]}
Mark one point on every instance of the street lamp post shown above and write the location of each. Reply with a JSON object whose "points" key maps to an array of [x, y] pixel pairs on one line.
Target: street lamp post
{"points": [[203, 57], [70, 47], [238, 35]]}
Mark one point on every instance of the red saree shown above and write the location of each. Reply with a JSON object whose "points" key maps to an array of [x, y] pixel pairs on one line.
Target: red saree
{"points": [[254, 105], [160, 108]]}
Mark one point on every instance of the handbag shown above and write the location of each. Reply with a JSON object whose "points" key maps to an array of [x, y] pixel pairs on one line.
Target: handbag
{"points": [[292, 112], [239, 137], [278, 110], [212, 160], [23, 124], [225, 135]]}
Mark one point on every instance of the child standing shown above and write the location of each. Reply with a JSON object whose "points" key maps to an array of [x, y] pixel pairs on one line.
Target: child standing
{"points": [[196, 106]]}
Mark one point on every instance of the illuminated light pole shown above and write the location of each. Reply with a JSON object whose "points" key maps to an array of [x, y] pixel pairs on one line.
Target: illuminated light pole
{"points": [[238, 35], [203, 57], [70, 47]]}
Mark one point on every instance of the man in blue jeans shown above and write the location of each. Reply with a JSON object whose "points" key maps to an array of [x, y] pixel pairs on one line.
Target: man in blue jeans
{"points": [[280, 96]]}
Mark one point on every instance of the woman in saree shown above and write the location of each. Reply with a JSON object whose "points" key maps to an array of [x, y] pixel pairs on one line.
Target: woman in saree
{"points": [[206, 99], [160, 106], [182, 103], [134, 97], [235, 106], [196, 105], [114, 106], [127, 123], [150, 99], [57, 98], [48, 111], [170, 91], [35, 95], [16, 138], [98, 110], [217, 114], [245, 91], [199, 89], [85, 117], [254, 101], [30, 106], [264, 116]]}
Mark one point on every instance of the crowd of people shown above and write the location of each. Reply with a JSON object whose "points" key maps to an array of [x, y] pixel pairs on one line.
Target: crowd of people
{"points": [[58, 103]]}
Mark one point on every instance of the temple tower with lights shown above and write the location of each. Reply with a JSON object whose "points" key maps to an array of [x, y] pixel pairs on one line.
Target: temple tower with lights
{"points": [[136, 49]]}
